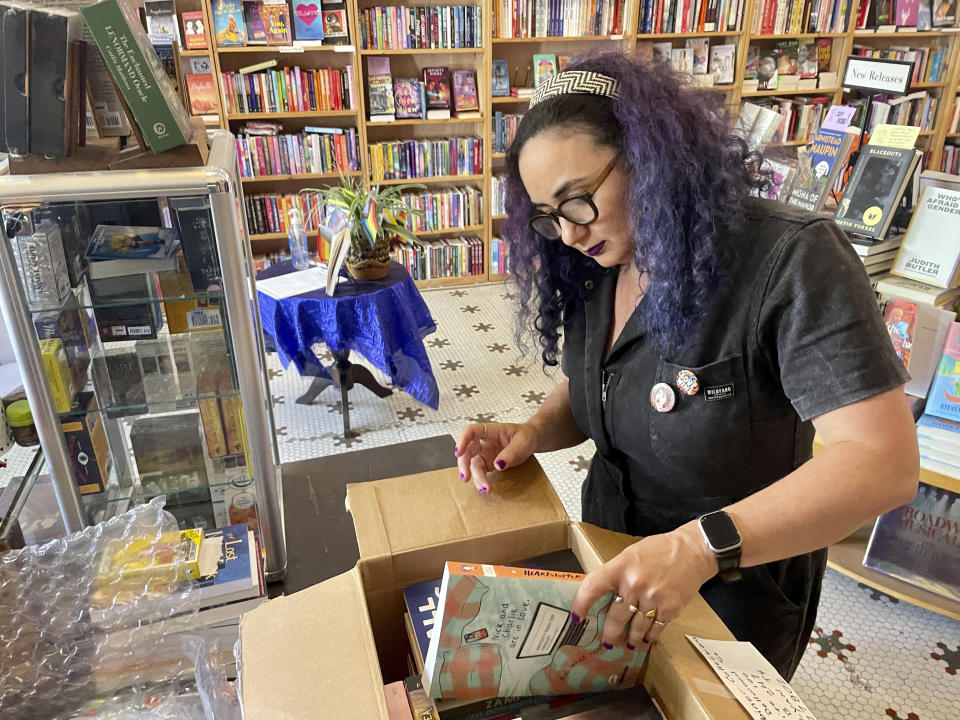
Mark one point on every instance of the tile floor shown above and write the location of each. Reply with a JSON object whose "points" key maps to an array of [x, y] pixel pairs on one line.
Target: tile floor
{"points": [[870, 658]]}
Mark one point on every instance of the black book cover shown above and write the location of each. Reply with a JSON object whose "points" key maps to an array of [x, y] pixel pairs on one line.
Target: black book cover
{"points": [[336, 30], [14, 118], [126, 385], [50, 34], [874, 191], [120, 309], [198, 241]]}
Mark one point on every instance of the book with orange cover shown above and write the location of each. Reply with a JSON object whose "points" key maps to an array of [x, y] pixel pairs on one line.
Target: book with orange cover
{"points": [[204, 99], [508, 631]]}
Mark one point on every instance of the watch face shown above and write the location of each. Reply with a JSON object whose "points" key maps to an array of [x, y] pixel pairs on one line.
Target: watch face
{"points": [[720, 530]]}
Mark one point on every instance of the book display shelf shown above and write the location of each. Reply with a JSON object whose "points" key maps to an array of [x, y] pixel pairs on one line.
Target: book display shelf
{"points": [[731, 36]]}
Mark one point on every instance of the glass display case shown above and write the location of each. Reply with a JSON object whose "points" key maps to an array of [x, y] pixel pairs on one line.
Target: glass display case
{"points": [[131, 300]]}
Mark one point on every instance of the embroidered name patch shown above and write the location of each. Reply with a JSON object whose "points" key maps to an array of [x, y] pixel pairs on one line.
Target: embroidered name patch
{"points": [[718, 392]]}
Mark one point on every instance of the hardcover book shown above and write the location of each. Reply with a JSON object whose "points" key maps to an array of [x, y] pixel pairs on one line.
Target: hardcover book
{"points": [[137, 71], [906, 12], [437, 83], [336, 29], [917, 543], [516, 624], [808, 65], [204, 98], [500, 81], [161, 16], [409, 98], [899, 317], [875, 189], [307, 20], [701, 53], [930, 251], [944, 13], [767, 66], [194, 30], [681, 59], [544, 68], [256, 22], [723, 63], [466, 101], [195, 224], [229, 28], [122, 241], [787, 56], [276, 15], [817, 168], [824, 53], [944, 398], [380, 89]]}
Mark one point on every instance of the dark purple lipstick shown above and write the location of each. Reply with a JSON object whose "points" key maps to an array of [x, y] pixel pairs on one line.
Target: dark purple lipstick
{"points": [[596, 249]]}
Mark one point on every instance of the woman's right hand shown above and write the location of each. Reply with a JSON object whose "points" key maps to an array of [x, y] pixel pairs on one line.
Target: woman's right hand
{"points": [[484, 447]]}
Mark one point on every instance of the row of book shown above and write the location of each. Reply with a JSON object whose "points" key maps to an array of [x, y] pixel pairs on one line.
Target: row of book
{"points": [[671, 16], [776, 17], [271, 22], [445, 209], [262, 262], [954, 125], [421, 27], [802, 116], [707, 64], [557, 18], [269, 212], [411, 159], [289, 89], [891, 15], [498, 195], [433, 97], [504, 129], [950, 162], [441, 258], [317, 150], [929, 61], [918, 109], [499, 256]]}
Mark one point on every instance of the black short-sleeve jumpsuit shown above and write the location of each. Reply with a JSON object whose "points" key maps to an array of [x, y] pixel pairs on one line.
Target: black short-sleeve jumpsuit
{"points": [[794, 333]]}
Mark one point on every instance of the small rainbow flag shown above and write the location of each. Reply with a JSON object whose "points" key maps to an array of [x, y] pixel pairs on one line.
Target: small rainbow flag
{"points": [[370, 222]]}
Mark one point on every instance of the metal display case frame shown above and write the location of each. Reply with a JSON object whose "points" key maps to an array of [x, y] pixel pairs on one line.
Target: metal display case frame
{"points": [[220, 182]]}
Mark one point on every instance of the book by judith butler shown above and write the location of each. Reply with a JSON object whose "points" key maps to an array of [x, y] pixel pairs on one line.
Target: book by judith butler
{"points": [[508, 631], [930, 252]]}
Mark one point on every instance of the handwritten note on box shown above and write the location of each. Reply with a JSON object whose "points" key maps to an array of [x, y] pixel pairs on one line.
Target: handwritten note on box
{"points": [[752, 680]]}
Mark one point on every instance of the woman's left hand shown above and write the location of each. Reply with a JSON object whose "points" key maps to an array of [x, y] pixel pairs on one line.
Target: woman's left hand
{"points": [[660, 572]]}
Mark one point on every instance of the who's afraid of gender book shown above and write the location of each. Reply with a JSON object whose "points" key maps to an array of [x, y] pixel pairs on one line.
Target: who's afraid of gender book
{"points": [[508, 631], [919, 543]]}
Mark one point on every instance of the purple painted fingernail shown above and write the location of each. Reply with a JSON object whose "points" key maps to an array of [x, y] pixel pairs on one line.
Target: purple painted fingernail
{"points": [[574, 617], [456, 450], [630, 647], [501, 464], [608, 646], [462, 476], [483, 490]]}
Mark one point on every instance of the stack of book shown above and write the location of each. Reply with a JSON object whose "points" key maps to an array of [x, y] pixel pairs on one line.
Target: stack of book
{"points": [[938, 430], [445, 209], [878, 258], [410, 159]]}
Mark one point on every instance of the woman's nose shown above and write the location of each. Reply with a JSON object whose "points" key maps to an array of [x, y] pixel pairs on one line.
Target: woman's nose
{"points": [[571, 233]]}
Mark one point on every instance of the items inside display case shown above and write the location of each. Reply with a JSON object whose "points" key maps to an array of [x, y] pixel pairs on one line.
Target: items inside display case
{"points": [[126, 303]]}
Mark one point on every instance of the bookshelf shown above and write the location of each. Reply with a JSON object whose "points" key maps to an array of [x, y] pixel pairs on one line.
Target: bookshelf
{"points": [[518, 52]]}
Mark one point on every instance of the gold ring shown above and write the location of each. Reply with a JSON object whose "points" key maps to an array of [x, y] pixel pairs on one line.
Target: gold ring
{"points": [[484, 426], [661, 623], [617, 599], [634, 609], [650, 614]]}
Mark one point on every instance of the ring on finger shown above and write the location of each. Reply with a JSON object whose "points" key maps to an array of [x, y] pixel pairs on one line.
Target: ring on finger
{"points": [[651, 614], [617, 599], [661, 623], [484, 426], [634, 609]]}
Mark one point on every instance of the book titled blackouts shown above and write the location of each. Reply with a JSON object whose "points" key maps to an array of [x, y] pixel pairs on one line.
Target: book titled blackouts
{"points": [[874, 192], [138, 74]]}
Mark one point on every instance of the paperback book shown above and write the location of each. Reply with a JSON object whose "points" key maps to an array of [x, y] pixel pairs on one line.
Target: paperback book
{"points": [[335, 25], [466, 101], [874, 191], [930, 252], [307, 21], [380, 89], [701, 53], [276, 16], [918, 332], [161, 16], [256, 22], [409, 98], [817, 168], [544, 68], [500, 82], [194, 30], [228, 25], [437, 83], [516, 623], [722, 63], [944, 399], [204, 98]]}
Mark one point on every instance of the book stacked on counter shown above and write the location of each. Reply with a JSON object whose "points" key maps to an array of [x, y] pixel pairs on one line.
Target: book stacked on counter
{"points": [[520, 627], [263, 150], [410, 159], [289, 89], [444, 209], [421, 27], [442, 258]]}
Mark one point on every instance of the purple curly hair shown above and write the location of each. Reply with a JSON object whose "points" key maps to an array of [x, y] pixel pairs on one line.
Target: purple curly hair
{"points": [[688, 178]]}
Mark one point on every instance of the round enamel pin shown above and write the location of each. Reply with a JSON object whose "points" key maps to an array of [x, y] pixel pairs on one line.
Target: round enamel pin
{"points": [[662, 397], [687, 382]]}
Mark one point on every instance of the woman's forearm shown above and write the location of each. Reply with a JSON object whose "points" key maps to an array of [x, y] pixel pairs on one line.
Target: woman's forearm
{"points": [[554, 424]]}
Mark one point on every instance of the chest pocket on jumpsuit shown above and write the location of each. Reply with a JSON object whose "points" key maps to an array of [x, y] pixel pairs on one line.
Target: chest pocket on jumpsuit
{"points": [[709, 428]]}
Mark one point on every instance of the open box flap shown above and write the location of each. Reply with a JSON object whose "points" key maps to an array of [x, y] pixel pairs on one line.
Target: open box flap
{"points": [[400, 514], [311, 655]]}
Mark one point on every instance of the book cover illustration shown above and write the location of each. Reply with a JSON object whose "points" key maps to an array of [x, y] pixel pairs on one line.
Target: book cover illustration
{"points": [[753, 63], [123, 241], [437, 83], [465, 97], [380, 88], [817, 166], [662, 52], [781, 179], [906, 12], [161, 17], [505, 631], [409, 98], [500, 82], [924, 15], [681, 60], [899, 317], [787, 56], [808, 65], [874, 190], [917, 543], [767, 65], [930, 251], [276, 15], [824, 53], [564, 60], [335, 27], [701, 53], [544, 68], [307, 21], [228, 26], [203, 94], [422, 600], [944, 13], [944, 398], [194, 30], [884, 12], [256, 22], [722, 63]]}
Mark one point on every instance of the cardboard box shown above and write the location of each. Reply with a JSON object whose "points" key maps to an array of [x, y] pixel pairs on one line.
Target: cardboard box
{"points": [[335, 645]]}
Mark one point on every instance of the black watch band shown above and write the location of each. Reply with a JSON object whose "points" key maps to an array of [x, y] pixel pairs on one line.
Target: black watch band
{"points": [[723, 539], [728, 564]]}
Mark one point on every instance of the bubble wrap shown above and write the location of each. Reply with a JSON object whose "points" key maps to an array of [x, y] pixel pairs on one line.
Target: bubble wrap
{"points": [[72, 633]]}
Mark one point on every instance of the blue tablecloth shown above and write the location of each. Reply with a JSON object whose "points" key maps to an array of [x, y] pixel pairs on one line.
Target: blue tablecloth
{"points": [[383, 320]]}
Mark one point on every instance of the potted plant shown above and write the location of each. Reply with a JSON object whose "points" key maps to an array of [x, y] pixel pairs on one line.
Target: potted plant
{"points": [[378, 211]]}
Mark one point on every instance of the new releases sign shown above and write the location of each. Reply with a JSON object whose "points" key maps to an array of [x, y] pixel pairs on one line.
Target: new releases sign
{"points": [[873, 75]]}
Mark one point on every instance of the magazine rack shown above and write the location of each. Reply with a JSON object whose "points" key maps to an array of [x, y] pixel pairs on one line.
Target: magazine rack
{"points": [[135, 373]]}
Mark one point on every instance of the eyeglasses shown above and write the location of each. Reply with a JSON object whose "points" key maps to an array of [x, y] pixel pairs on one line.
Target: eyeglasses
{"points": [[578, 209]]}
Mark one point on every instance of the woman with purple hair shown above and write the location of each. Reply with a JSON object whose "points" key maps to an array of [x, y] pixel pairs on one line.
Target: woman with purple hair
{"points": [[706, 334]]}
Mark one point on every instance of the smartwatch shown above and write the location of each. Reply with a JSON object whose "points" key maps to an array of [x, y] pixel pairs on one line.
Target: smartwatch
{"points": [[722, 537]]}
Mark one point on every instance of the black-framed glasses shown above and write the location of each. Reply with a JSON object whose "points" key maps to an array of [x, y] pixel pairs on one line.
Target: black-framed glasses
{"points": [[578, 209]]}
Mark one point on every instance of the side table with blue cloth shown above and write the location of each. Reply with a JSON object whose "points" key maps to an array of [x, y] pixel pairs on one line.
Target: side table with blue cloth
{"points": [[383, 320]]}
